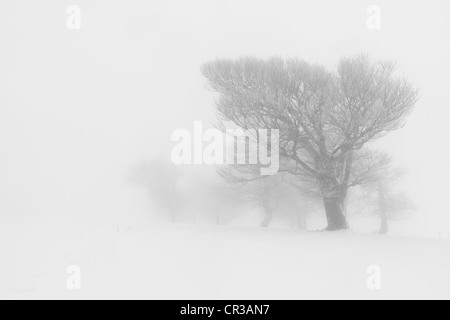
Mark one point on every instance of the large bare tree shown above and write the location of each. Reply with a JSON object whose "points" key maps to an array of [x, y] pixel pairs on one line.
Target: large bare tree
{"points": [[325, 119]]}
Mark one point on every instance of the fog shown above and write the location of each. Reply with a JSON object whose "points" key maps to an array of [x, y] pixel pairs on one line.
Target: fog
{"points": [[80, 108]]}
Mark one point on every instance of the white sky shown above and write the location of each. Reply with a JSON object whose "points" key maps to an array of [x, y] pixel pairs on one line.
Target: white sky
{"points": [[78, 108]]}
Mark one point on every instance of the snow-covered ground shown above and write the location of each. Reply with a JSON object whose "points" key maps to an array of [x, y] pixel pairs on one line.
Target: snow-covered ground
{"points": [[205, 262]]}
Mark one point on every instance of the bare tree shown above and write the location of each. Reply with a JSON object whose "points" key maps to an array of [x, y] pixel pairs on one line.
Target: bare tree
{"points": [[384, 198], [262, 192], [161, 179], [295, 206], [324, 118], [227, 202], [270, 193]]}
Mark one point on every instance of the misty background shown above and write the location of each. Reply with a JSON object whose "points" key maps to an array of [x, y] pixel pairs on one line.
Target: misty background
{"points": [[79, 108]]}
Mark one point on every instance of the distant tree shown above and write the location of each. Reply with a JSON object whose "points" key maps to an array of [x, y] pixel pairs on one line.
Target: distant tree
{"points": [[269, 193], [384, 198], [208, 196], [325, 119], [161, 179], [227, 202], [295, 206], [263, 192]]}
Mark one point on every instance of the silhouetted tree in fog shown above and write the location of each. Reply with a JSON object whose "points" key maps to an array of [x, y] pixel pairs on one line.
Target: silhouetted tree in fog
{"points": [[324, 118], [270, 193], [161, 179], [384, 198], [262, 192]]}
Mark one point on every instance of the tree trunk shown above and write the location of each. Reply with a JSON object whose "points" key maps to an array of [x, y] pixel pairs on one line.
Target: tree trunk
{"points": [[301, 221], [384, 225], [267, 219], [335, 216], [334, 197]]}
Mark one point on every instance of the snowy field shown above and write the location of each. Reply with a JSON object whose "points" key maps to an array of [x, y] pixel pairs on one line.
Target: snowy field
{"points": [[204, 262]]}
